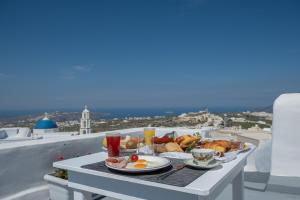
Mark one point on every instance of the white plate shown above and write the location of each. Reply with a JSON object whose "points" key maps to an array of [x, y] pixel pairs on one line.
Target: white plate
{"points": [[229, 156], [177, 155], [123, 150], [153, 163], [210, 165], [246, 148]]}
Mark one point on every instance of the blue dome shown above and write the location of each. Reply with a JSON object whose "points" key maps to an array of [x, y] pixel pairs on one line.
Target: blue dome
{"points": [[45, 124]]}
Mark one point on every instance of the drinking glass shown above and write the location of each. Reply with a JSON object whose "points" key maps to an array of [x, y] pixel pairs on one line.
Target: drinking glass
{"points": [[113, 144], [149, 133], [146, 146]]}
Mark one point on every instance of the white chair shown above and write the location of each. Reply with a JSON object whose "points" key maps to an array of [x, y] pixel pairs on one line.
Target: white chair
{"points": [[11, 132], [3, 134], [24, 132], [285, 159]]}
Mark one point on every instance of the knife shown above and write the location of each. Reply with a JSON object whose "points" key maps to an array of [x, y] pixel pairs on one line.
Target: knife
{"points": [[176, 169]]}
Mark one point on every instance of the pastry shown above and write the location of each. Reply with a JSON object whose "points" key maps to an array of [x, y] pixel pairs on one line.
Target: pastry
{"points": [[160, 148], [186, 140], [173, 147]]}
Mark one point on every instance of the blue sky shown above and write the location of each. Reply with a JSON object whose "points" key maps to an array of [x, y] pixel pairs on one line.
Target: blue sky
{"points": [[107, 54]]}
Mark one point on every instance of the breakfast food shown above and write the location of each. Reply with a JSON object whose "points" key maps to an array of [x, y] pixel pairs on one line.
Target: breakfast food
{"points": [[165, 144], [117, 162], [123, 141], [173, 147], [169, 147], [127, 142], [179, 144], [131, 144], [187, 140], [163, 140], [132, 162], [237, 146], [214, 146], [134, 157], [140, 164], [160, 148], [221, 146]]}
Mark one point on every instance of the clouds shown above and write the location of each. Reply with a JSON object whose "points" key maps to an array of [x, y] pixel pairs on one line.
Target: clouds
{"points": [[75, 71], [85, 68]]}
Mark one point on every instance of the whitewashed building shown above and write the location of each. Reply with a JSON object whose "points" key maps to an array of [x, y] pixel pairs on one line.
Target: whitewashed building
{"points": [[45, 125], [85, 122]]}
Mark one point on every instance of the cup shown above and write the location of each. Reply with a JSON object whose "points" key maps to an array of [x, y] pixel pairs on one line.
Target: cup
{"points": [[149, 133], [146, 147], [203, 155], [113, 144]]}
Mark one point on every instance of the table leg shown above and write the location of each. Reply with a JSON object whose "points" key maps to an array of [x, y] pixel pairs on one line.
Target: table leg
{"points": [[79, 195], [206, 198], [238, 186]]}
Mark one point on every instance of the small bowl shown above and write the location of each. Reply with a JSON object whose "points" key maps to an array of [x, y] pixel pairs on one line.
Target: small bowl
{"points": [[203, 155]]}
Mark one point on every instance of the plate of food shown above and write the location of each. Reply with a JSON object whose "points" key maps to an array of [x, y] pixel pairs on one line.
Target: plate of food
{"points": [[181, 144], [181, 147], [137, 163], [221, 147], [127, 144]]}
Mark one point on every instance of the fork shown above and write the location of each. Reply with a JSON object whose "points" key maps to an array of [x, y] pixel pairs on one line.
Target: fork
{"points": [[176, 169]]}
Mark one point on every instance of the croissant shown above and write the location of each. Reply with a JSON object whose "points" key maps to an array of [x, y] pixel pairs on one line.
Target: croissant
{"points": [[187, 140], [178, 140], [214, 146], [224, 143]]}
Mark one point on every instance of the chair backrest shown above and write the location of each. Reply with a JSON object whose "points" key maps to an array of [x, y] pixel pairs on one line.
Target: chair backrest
{"points": [[11, 132], [286, 136], [24, 132], [3, 134]]}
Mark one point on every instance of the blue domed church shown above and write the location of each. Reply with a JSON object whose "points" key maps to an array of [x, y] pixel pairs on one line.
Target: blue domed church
{"points": [[45, 125]]}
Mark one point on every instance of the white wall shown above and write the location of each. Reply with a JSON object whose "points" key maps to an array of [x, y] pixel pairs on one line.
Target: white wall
{"points": [[24, 167], [24, 163]]}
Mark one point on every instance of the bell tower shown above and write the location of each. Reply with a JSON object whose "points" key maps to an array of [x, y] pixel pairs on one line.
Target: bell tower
{"points": [[85, 122]]}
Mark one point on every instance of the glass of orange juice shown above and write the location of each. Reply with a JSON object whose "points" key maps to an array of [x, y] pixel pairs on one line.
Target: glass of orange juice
{"points": [[149, 133]]}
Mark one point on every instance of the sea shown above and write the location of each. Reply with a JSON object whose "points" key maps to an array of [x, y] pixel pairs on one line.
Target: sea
{"points": [[111, 113]]}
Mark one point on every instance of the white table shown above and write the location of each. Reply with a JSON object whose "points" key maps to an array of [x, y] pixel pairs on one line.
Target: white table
{"points": [[206, 187]]}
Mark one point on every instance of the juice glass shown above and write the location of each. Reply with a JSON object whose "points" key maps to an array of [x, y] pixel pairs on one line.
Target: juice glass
{"points": [[149, 133], [113, 144], [145, 149]]}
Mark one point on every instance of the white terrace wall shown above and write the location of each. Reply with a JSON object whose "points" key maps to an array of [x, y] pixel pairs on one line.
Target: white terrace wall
{"points": [[23, 164], [24, 167]]}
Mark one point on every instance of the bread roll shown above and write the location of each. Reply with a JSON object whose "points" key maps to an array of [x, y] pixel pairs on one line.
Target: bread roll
{"points": [[173, 147], [160, 148]]}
